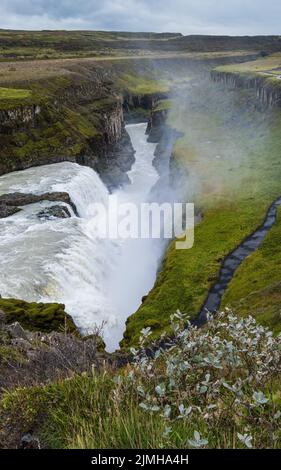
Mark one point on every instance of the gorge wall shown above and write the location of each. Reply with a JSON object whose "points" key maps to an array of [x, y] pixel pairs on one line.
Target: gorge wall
{"points": [[67, 129], [77, 113], [268, 90], [79, 118]]}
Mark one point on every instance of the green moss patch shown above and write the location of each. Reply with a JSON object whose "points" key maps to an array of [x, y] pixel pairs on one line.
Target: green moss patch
{"points": [[13, 94], [140, 85], [12, 97], [163, 105], [38, 316]]}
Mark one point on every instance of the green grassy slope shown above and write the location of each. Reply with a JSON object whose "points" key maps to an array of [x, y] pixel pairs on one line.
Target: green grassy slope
{"points": [[231, 155], [255, 288], [262, 67]]}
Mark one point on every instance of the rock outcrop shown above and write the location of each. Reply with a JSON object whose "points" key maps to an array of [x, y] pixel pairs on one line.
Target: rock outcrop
{"points": [[138, 107], [18, 118], [11, 203], [79, 119], [160, 132], [267, 92], [54, 212], [110, 153], [156, 126], [32, 357]]}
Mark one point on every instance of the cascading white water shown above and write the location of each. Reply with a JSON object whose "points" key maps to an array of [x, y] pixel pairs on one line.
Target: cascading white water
{"points": [[100, 281]]}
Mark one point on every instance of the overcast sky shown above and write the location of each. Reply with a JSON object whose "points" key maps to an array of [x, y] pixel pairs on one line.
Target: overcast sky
{"points": [[233, 17]]}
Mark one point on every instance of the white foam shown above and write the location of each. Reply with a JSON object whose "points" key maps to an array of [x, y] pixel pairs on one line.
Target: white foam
{"points": [[98, 280]]}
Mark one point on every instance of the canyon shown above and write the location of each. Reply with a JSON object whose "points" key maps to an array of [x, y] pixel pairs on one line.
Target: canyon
{"points": [[183, 124], [81, 119]]}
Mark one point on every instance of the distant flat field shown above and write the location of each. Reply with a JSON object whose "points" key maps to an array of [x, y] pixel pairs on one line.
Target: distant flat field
{"points": [[16, 71], [263, 66]]}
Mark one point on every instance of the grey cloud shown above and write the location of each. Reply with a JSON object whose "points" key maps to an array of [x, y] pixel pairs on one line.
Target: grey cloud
{"points": [[186, 16]]}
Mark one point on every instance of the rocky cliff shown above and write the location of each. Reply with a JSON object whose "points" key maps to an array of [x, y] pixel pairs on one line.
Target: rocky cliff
{"points": [[67, 128], [76, 110], [18, 118], [268, 90], [77, 118], [31, 356]]}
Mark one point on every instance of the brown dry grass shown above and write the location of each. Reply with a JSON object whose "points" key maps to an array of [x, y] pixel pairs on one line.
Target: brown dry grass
{"points": [[22, 71]]}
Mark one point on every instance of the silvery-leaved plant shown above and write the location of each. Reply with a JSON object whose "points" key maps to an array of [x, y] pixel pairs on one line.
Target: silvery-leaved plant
{"points": [[198, 441], [260, 398], [167, 411], [160, 389], [222, 373], [184, 412], [245, 439], [146, 332], [167, 431]]}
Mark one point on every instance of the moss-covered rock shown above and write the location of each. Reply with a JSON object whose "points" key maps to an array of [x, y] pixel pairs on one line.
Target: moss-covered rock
{"points": [[38, 316]]}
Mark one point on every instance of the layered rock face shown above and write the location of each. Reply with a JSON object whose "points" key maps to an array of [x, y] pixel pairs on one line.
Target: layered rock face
{"points": [[110, 153], [266, 92], [18, 118], [78, 119], [161, 133], [137, 108], [82, 125]]}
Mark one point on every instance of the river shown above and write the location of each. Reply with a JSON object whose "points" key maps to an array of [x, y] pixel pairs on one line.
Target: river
{"points": [[100, 281]]}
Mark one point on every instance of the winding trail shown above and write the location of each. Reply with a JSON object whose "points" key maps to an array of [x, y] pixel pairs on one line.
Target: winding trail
{"points": [[233, 260]]}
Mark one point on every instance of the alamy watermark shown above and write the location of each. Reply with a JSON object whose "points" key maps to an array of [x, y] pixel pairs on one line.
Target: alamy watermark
{"points": [[144, 220]]}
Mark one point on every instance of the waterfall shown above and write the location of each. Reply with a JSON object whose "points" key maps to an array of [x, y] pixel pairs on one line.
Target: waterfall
{"points": [[100, 281]]}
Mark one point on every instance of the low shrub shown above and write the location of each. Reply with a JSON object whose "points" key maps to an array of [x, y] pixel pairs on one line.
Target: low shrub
{"points": [[215, 387]]}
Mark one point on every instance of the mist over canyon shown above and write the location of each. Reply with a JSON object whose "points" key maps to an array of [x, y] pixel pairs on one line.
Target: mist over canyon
{"points": [[111, 342]]}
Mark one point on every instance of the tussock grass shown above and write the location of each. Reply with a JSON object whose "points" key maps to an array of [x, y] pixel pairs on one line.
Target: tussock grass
{"points": [[83, 412]]}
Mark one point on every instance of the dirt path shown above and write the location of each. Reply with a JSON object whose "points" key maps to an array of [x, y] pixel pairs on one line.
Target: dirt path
{"points": [[233, 261]]}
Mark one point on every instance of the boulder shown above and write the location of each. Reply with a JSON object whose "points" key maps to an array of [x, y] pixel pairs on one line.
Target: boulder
{"points": [[54, 212], [15, 330], [11, 202]]}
